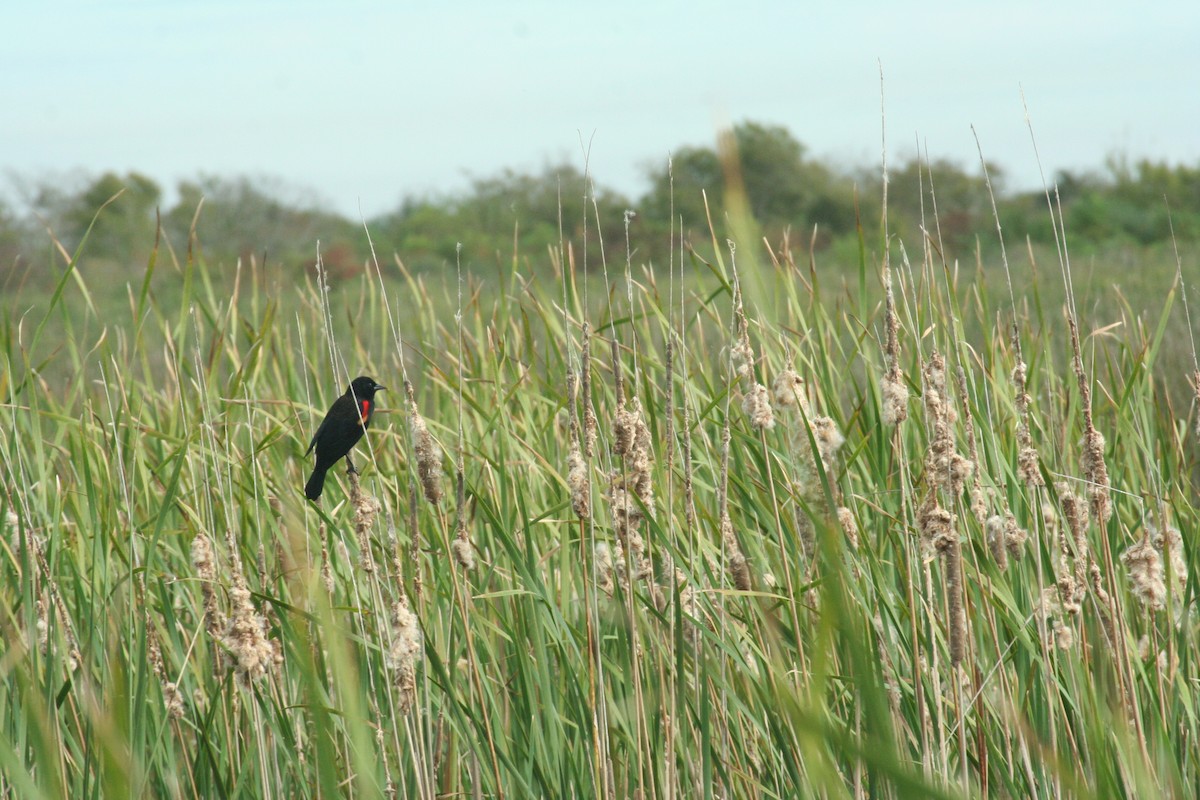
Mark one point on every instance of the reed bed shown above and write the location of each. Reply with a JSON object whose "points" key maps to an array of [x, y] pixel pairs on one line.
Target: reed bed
{"points": [[734, 526]]}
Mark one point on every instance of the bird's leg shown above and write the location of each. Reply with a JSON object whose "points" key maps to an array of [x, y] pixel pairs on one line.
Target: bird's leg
{"points": [[350, 469]]}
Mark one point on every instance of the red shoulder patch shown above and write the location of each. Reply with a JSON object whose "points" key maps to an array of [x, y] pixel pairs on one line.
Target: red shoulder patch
{"points": [[365, 406]]}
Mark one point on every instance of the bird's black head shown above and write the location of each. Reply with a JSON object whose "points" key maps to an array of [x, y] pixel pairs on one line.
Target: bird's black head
{"points": [[364, 388]]}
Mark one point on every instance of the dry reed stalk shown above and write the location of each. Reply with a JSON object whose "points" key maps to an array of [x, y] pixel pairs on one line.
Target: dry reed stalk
{"points": [[1196, 386], [414, 542]]}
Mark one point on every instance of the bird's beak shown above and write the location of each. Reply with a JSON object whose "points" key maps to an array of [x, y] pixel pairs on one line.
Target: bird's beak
{"points": [[379, 388]]}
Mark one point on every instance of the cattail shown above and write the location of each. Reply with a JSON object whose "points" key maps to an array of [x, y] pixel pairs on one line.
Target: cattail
{"points": [[757, 406], [1170, 543], [689, 609], [1028, 467], [172, 696], [1096, 473], [605, 566], [1196, 385], [1145, 567], [1064, 635], [414, 540], [578, 482], [952, 557], [41, 609], [1014, 535], [893, 389], [206, 571], [969, 468], [630, 487], [789, 390], [828, 438], [938, 535], [254, 653], [461, 548], [326, 568], [742, 354], [807, 531], [849, 525], [895, 401], [366, 509], [425, 447], [404, 652], [429, 460], [739, 569], [997, 541], [590, 431], [245, 635], [936, 525]]}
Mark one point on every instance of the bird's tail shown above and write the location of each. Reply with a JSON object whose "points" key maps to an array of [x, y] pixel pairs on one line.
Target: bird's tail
{"points": [[312, 489]]}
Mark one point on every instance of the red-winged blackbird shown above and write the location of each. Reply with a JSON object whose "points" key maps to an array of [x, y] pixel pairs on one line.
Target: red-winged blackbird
{"points": [[341, 429]]}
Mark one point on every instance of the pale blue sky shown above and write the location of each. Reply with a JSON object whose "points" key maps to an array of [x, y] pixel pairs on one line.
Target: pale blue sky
{"points": [[366, 102]]}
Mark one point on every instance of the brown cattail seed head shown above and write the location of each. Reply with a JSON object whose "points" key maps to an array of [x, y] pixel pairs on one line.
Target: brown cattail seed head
{"points": [[829, 439], [742, 355], [1145, 568], [578, 483], [206, 571], [429, 457], [254, 652], [739, 569], [1014, 535], [789, 390], [937, 527], [895, 401], [1096, 472], [996, 540], [1170, 543], [461, 548], [849, 525], [404, 653], [604, 566], [757, 406]]}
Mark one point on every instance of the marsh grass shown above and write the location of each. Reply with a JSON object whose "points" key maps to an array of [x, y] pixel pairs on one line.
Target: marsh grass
{"points": [[668, 595]]}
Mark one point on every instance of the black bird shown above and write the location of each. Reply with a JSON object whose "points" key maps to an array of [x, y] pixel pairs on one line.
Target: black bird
{"points": [[341, 429]]}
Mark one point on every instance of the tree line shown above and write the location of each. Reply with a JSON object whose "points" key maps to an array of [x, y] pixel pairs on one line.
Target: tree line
{"points": [[793, 198]]}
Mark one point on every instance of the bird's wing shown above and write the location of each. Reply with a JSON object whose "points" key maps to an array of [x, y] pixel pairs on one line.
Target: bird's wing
{"points": [[316, 435]]}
